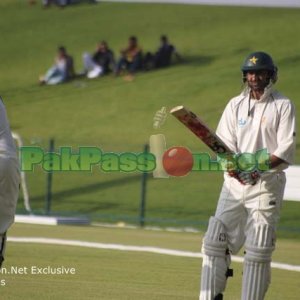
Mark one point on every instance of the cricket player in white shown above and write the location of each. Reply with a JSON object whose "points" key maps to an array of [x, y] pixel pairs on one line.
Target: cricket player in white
{"points": [[249, 204], [9, 179]]}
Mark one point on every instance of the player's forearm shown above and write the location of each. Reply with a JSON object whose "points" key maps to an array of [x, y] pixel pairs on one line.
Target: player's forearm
{"points": [[275, 161]]}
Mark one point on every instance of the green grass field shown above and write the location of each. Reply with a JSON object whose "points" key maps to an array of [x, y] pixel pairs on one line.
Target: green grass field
{"points": [[117, 116], [115, 275]]}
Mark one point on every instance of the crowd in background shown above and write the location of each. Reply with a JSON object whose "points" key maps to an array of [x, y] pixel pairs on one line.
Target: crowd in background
{"points": [[63, 3], [102, 61]]}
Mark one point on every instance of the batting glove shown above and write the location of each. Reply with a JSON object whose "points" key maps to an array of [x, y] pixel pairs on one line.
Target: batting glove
{"points": [[246, 178]]}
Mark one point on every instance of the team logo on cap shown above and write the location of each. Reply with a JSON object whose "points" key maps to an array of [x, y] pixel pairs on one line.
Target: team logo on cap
{"points": [[253, 60]]}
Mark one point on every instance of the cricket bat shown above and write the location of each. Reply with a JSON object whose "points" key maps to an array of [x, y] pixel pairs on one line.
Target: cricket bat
{"points": [[200, 129]]}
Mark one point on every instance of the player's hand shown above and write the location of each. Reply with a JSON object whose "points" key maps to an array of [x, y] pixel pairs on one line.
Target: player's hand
{"points": [[245, 178], [249, 178]]}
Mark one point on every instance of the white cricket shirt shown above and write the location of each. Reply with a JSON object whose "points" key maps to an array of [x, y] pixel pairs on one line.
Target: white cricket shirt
{"points": [[268, 123]]}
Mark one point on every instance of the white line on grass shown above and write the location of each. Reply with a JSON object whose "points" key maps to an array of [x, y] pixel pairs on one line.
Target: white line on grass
{"points": [[263, 3], [119, 247]]}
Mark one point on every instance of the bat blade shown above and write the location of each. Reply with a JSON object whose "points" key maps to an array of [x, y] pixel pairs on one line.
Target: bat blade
{"points": [[200, 129]]}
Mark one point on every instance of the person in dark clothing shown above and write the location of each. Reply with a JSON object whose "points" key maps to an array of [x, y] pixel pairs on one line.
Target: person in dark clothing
{"points": [[104, 57], [100, 63], [163, 56]]}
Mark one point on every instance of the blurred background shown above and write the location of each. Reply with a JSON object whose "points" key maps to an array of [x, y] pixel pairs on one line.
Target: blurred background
{"points": [[117, 115]]}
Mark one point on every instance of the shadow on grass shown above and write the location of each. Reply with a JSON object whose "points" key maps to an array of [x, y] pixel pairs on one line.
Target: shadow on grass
{"points": [[290, 60], [90, 188], [197, 60]]}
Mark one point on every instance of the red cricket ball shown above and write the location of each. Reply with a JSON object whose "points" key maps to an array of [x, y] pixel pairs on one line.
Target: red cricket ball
{"points": [[178, 161]]}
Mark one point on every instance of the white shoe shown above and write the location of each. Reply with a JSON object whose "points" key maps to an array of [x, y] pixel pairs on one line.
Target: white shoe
{"points": [[96, 72]]}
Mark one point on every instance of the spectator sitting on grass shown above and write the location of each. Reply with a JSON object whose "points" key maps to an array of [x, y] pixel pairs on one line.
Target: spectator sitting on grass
{"points": [[61, 3], [131, 58], [163, 56], [62, 71], [101, 63]]}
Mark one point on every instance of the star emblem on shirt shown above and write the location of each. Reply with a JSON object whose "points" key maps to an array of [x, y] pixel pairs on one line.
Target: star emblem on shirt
{"points": [[253, 60]]}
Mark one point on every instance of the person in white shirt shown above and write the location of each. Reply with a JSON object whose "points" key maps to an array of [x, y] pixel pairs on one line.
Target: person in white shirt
{"points": [[61, 71], [248, 209], [9, 178]]}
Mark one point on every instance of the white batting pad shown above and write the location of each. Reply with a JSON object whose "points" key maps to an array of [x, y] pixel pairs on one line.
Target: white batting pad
{"points": [[259, 246], [256, 279], [215, 260], [215, 239]]}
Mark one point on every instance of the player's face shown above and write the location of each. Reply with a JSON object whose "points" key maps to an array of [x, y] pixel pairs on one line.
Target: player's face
{"points": [[101, 47], [257, 80], [132, 43], [60, 54]]}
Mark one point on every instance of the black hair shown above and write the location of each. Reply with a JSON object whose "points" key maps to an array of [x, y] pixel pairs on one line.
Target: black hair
{"points": [[62, 49]]}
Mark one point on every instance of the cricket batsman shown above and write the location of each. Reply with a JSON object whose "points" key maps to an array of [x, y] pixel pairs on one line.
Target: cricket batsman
{"points": [[249, 204], [9, 179]]}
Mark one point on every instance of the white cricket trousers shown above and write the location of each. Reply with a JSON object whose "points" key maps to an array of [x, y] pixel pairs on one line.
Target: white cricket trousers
{"points": [[240, 207]]}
